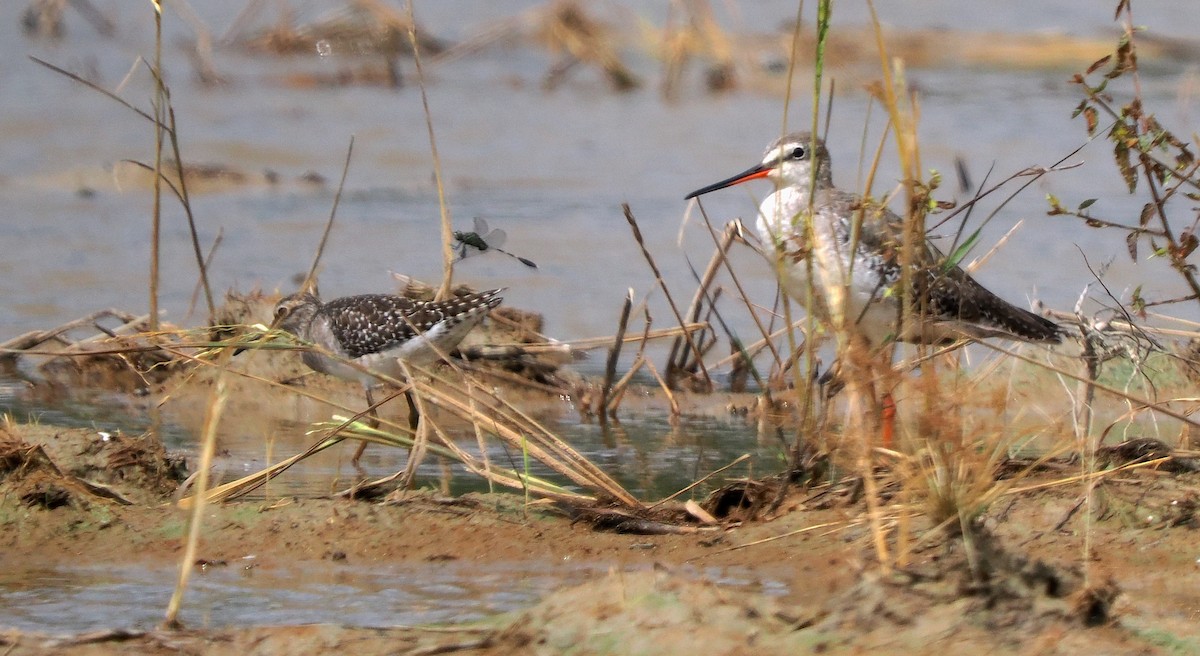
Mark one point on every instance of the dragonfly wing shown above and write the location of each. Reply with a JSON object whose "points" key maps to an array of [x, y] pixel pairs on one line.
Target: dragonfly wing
{"points": [[495, 239]]}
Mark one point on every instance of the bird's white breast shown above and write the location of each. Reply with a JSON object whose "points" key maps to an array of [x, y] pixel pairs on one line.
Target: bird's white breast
{"points": [[781, 225]]}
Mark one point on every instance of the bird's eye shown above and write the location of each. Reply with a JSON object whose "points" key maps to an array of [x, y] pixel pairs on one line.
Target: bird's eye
{"points": [[798, 152]]}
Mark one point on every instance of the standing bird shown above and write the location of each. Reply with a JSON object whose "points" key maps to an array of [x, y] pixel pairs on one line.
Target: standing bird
{"points": [[950, 304], [378, 332]]}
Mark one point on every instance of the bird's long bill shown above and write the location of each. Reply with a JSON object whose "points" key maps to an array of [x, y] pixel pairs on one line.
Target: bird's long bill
{"points": [[752, 173]]}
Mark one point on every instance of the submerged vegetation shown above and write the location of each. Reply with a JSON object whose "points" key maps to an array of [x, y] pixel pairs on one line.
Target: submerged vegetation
{"points": [[911, 442]]}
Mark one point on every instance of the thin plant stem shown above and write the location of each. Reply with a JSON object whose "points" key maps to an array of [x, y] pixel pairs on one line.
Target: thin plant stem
{"points": [[637, 235], [156, 216], [212, 419], [614, 354], [337, 199], [447, 230], [173, 134]]}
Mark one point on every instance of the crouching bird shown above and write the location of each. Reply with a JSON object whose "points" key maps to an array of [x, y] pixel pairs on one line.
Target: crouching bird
{"points": [[378, 332]]}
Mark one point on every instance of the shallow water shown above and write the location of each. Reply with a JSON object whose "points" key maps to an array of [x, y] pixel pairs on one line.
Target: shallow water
{"points": [[646, 451], [550, 168], [241, 593]]}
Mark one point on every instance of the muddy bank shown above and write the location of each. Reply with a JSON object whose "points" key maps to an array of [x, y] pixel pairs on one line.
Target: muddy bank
{"points": [[70, 497]]}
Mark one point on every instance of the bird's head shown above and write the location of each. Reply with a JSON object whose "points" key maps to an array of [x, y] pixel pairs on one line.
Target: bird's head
{"points": [[788, 161]]}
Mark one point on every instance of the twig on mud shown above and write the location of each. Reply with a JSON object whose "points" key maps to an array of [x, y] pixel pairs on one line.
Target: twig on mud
{"points": [[740, 459], [24, 344], [800, 531], [1090, 476], [1070, 513], [464, 645]]}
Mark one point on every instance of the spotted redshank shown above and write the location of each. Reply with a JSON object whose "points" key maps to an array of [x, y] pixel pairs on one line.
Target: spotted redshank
{"points": [[378, 332], [951, 304]]}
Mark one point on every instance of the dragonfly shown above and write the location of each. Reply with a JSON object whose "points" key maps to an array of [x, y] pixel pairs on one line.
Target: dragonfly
{"points": [[482, 239]]}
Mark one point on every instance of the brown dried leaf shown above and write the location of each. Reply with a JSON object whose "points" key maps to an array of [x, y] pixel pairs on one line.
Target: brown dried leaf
{"points": [[1124, 163], [1097, 64], [1147, 214], [1131, 242], [1093, 119], [1186, 246]]}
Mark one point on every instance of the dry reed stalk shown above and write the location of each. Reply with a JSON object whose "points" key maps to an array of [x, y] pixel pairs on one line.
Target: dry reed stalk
{"points": [[208, 260], [614, 354], [310, 278], [639, 360], [479, 438], [212, 420], [734, 231], [491, 413], [981, 260], [443, 209], [416, 453], [164, 120], [608, 409], [172, 134], [676, 411], [447, 448], [588, 343], [637, 236], [514, 427], [155, 219]]}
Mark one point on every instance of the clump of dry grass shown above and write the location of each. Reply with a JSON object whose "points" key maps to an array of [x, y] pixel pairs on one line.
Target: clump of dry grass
{"points": [[693, 33], [355, 27], [568, 30]]}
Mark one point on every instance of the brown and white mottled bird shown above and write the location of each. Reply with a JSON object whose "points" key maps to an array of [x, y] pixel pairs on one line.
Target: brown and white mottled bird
{"points": [[952, 305], [378, 332]]}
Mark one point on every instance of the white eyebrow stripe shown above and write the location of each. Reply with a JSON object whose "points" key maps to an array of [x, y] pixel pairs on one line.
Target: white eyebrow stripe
{"points": [[776, 155]]}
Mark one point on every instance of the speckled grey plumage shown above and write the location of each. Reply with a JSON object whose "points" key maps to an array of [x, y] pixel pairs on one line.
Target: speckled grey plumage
{"points": [[378, 331]]}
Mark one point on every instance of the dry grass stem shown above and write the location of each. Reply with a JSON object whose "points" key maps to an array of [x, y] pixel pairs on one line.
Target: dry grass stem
{"points": [[212, 420], [443, 208], [637, 236], [614, 354], [310, 279]]}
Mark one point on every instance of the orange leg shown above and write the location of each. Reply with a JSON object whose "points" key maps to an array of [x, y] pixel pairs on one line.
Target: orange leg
{"points": [[888, 420]]}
